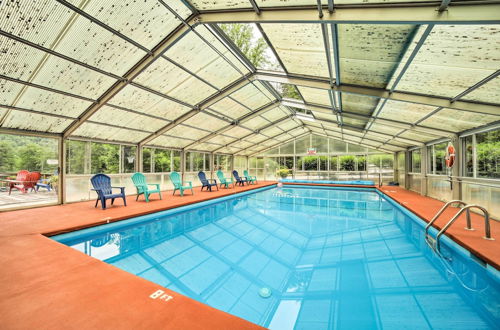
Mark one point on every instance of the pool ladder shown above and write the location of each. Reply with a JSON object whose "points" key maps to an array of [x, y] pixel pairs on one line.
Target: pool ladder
{"points": [[434, 242]]}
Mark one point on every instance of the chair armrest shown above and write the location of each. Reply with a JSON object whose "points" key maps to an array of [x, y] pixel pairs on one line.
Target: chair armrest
{"points": [[157, 185], [189, 182], [215, 181], [121, 188]]}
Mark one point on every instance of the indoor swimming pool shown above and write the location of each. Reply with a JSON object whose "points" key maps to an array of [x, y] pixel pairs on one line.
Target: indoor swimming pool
{"points": [[303, 258]]}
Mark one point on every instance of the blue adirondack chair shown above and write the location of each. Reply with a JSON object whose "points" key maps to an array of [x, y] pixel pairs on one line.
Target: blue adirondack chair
{"points": [[224, 181], [206, 183], [102, 186], [250, 178], [143, 188], [179, 185], [239, 180]]}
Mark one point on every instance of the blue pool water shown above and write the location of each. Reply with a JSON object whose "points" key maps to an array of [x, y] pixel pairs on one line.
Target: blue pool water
{"points": [[332, 258], [351, 182]]}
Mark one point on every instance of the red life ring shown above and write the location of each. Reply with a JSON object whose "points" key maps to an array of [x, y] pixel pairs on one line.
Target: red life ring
{"points": [[450, 156]]}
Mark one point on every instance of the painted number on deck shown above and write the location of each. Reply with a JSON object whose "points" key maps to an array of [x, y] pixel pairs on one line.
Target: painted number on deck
{"points": [[161, 295]]}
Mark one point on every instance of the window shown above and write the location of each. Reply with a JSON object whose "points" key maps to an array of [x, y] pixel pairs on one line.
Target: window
{"points": [[128, 159], [77, 155], [469, 156], [104, 158], [415, 161], [323, 163], [320, 143], [197, 161], [488, 154], [355, 148], [223, 162], [307, 163], [437, 154], [286, 162], [334, 164], [337, 146], [287, 149], [347, 163], [147, 153], [162, 160], [361, 162]]}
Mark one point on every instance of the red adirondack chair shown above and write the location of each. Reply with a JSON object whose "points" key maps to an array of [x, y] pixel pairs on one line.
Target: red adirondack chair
{"points": [[24, 181]]}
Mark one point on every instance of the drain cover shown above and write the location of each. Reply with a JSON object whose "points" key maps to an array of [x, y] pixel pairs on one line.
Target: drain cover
{"points": [[265, 292]]}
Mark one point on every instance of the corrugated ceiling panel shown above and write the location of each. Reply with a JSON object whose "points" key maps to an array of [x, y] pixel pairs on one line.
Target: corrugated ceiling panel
{"points": [[167, 141], [404, 111], [9, 91], [220, 4], [89, 43], [205, 121], [489, 92], [169, 79], [315, 95], [146, 22], [207, 146], [382, 128], [369, 53], [230, 108], [17, 60], [458, 121], [253, 95], [37, 21], [300, 47], [190, 133], [137, 99], [453, 58], [418, 136], [237, 132], [256, 123], [36, 122], [359, 103], [91, 130], [272, 131], [202, 60], [223, 140], [284, 3], [114, 116], [68, 77]]}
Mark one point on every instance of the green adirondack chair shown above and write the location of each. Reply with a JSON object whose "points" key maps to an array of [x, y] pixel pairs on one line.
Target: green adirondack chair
{"points": [[224, 181], [142, 186], [251, 178], [179, 185]]}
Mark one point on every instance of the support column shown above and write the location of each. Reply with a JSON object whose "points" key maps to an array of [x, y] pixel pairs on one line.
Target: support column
{"points": [[395, 167], [424, 165], [407, 169], [61, 198], [138, 159], [183, 163], [456, 169]]}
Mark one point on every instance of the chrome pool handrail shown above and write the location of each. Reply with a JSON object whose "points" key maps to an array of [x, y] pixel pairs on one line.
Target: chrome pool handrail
{"points": [[487, 231], [445, 206]]}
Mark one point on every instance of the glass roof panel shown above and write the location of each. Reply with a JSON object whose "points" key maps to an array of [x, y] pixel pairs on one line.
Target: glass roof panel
{"points": [[222, 140], [169, 79], [137, 99], [107, 114], [207, 146], [458, 121], [382, 128], [404, 111], [369, 53], [275, 114], [253, 95], [300, 47], [146, 22], [9, 91], [354, 122], [256, 122], [358, 103], [272, 131], [92, 130], [92, 44], [187, 132], [288, 125], [237, 132], [315, 95], [35, 122], [220, 4], [489, 92], [453, 58]]}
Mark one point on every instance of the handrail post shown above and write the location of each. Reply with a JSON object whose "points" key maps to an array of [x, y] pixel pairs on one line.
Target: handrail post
{"points": [[469, 222]]}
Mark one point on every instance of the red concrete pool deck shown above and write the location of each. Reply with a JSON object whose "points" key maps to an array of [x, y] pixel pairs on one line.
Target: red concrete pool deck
{"points": [[48, 285]]}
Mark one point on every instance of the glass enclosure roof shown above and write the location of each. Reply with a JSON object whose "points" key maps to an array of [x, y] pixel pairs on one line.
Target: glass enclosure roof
{"points": [[153, 73]]}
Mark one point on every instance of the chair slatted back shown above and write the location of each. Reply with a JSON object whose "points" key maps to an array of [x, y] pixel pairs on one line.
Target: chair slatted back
{"points": [[202, 177], [139, 179], [102, 182], [176, 179]]}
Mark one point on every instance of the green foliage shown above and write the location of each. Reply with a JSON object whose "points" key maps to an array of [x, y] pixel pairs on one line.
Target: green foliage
{"points": [[75, 157], [162, 160], [347, 163], [7, 157], [282, 173], [242, 36], [290, 91], [105, 158], [31, 157]]}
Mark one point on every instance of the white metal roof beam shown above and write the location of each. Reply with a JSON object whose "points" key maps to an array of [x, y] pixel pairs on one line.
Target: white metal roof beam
{"points": [[462, 13], [436, 101]]}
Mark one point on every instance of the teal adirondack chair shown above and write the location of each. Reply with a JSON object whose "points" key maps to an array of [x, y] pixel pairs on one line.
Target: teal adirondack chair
{"points": [[142, 186], [251, 178], [179, 185], [224, 181]]}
